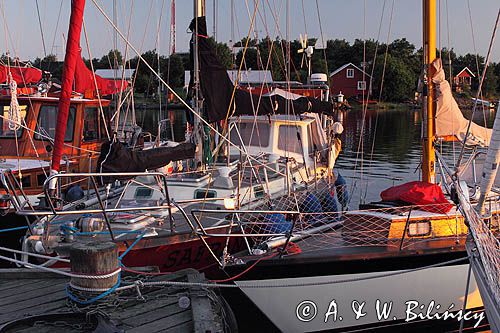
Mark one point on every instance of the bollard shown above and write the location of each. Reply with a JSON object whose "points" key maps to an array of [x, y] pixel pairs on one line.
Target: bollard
{"points": [[94, 258]]}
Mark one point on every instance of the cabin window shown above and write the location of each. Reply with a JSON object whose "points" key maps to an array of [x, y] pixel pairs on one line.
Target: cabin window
{"points": [[93, 125], [288, 140], [419, 228], [350, 73], [26, 181], [361, 85], [314, 141], [5, 131], [142, 193], [46, 125], [204, 194], [40, 179], [258, 191], [253, 134]]}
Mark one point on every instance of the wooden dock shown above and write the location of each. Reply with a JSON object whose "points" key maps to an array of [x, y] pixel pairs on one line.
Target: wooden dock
{"points": [[34, 301]]}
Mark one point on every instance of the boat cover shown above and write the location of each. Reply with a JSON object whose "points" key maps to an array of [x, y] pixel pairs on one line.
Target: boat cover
{"points": [[88, 83], [116, 157], [22, 75], [449, 119], [428, 196], [221, 100]]}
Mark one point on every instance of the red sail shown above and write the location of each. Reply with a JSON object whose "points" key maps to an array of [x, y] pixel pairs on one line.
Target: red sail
{"points": [[68, 75], [22, 75], [85, 84]]}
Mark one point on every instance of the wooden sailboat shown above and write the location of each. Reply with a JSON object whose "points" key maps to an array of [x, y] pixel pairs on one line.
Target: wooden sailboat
{"points": [[147, 214], [335, 277]]}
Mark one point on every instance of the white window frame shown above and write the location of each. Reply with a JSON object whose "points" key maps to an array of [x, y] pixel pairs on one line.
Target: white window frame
{"points": [[361, 85], [350, 73]]}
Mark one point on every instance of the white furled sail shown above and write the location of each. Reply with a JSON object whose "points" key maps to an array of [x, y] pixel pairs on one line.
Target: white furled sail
{"points": [[449, 119], [490, 167]]}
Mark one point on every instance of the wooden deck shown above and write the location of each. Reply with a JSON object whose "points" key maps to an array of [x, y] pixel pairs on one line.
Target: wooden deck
{"points": [[33, 301]]}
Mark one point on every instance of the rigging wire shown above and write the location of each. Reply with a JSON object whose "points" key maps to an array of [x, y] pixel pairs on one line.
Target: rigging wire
{"points": [[183, 102], [56, 28], [450, 67], [101, 109], [323, 44], [486, 63], [124, 60], [381, 88], [476, 56], [41, 28]]}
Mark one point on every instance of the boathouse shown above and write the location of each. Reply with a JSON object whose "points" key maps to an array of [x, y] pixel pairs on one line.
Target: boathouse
{"points": [[349, 79], [463, 79]]}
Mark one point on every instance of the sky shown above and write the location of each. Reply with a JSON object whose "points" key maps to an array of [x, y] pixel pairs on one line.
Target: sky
{"points": [[139, 20]]}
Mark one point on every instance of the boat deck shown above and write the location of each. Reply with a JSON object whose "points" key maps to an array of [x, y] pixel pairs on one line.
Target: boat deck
{"points": [[37, 302]]}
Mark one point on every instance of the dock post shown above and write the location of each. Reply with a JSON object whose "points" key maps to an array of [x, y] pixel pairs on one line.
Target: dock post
{"points": [[94, 259]]}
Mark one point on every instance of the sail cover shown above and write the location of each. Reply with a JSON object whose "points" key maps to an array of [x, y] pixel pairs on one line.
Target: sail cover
{"points": [[85, 83], [449, 119], [22, 75], [68, 77], [427, 196], [116, 157], [217, 88]]}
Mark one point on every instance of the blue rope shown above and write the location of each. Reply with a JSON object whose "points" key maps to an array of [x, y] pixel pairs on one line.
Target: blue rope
{"points": [[13, 229], [110, 290], [131, 246], [93, 299]]}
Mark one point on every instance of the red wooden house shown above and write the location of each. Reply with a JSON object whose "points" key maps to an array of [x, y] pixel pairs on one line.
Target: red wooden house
{"points": [[463, 78], [350, 80]]}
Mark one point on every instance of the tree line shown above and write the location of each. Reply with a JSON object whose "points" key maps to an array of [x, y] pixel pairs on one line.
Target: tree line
{"points": [[399, 63]]}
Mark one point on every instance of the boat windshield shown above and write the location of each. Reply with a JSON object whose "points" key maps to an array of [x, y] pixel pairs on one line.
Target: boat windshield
{"points": [[46, 124], [93, 124], [5, 131], [252, 134]]}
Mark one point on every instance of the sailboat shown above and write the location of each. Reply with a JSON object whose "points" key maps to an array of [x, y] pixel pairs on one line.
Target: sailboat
{"points": [[388, 264], [146, 211]]}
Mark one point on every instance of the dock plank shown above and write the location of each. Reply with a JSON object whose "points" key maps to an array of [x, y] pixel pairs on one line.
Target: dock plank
{"points": [[163, 324], [32, 289], [158, 313]]}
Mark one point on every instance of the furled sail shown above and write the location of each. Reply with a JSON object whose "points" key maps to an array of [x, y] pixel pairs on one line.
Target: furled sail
{"points": [[85, 83], [68, 76], [217, 89], [449, 119], [116, 157]]}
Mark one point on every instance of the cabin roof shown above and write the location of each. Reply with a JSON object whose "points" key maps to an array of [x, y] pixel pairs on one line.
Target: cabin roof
{"points": [[115, 73], [341, 68], [279, 118], [249, 76], [467, 70], [53, 99]]}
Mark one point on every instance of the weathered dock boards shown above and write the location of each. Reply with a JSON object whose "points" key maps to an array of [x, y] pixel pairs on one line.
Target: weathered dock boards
{"points": [[28, 293]]}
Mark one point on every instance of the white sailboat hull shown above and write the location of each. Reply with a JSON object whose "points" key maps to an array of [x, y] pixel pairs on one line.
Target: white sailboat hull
{"points": [[313, 305]]}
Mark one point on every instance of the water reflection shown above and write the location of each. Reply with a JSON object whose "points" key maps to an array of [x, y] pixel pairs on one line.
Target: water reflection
{"points": [[386, 151]]}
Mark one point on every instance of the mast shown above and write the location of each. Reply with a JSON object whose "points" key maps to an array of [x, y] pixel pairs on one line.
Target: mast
{"points": [[172, 26], [68, 77], [199, 11], [428, 106]]}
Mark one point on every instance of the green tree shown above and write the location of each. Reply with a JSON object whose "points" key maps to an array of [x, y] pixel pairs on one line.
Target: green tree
{"points": [[173, 70], [113, 59], [399, 80], [490, 87]]}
